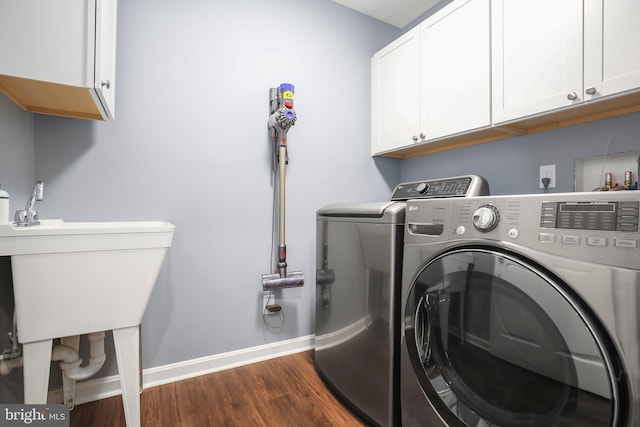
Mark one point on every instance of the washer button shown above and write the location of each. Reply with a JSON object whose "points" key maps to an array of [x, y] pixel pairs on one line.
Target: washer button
{"points": [[621, 242], [570, 239], [547, 238], [596, 241], [513, 233], [461, 230]]}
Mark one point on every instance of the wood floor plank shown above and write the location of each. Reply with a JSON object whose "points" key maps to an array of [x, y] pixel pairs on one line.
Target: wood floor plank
{"points": [[280, 392], [239, 409], [310, 395]]}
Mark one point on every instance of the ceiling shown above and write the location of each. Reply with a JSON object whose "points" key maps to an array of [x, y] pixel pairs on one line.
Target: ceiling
{"points": [[398, 13]]}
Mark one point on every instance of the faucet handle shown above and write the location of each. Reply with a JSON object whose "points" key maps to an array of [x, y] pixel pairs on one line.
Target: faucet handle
{"points": [[39, 190], [28, 216], [20, 217]]}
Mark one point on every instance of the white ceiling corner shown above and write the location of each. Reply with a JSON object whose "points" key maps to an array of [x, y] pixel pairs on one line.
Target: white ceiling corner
{"points": [[398, 13]]}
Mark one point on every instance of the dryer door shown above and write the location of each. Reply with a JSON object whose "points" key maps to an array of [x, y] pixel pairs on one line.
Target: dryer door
{"points": [[495, 341]]}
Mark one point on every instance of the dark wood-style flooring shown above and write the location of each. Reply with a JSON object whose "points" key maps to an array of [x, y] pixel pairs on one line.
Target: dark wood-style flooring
{"points": [[279, 392]]}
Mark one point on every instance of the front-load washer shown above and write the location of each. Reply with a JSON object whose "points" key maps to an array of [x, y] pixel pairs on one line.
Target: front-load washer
{"points": [[358, 266], [522, 311]]}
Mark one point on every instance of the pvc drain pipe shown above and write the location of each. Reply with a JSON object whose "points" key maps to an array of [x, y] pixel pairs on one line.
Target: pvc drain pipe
{"points": [[70, 360]]}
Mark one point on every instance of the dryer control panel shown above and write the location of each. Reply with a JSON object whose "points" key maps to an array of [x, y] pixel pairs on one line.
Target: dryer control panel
{"points": [[459, 186]]}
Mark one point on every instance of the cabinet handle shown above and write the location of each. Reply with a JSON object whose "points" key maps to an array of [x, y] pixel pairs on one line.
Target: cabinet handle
{"points": [[106, 83], [422, 136], [415, 138], [572, 96], [591, 91]]}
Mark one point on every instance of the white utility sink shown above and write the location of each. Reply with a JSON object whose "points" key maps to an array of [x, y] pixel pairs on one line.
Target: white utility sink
{"points": [[74, 278]]}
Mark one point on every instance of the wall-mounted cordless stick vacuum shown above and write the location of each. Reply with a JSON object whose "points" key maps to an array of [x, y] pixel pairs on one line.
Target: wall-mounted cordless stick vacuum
{"points": [[282, 117]]}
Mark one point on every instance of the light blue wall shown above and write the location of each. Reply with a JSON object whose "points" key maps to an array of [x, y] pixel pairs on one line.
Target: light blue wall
{"points": [[16, 177], [512, 165], [16, 152], [189, 145]]}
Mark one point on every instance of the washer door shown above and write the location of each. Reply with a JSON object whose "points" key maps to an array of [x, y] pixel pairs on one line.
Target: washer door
{"points": [[495, 341]]}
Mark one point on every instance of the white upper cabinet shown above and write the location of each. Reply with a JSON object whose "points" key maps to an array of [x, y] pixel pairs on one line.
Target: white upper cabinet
{"points": [[550, 54], [395, 94], [611, 47], [492, 69], [456, 82], [105, 56], [434, 80], [536, 55], [58, 57]]}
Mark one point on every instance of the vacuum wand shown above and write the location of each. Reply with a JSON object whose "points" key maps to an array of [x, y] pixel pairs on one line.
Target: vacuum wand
{"points": [[282, 117], [282, 247]]}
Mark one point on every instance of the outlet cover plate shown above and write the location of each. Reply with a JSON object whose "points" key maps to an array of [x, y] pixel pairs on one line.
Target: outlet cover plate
{"points": [[268, 300], [548, 171]]}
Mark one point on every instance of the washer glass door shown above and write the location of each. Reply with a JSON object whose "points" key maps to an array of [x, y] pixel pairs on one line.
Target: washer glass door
{"points": [[495, 341]]}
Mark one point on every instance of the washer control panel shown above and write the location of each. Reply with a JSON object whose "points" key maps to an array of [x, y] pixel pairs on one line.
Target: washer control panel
{"points": [[600, 216], [597, 227], [459, 186]]}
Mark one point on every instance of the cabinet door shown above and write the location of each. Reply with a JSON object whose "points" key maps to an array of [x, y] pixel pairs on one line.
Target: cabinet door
{"points": [[456, 82], [536, 56], [612, 47], [61, 58], [105, 55], [46, 41], [395, 93]]}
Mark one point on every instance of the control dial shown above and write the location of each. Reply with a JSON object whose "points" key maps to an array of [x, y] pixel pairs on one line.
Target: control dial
{"points": [[422, 188], [486, 218]]}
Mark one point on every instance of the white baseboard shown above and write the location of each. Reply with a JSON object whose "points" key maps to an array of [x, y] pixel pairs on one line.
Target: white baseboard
{"points": [[101, 388]]}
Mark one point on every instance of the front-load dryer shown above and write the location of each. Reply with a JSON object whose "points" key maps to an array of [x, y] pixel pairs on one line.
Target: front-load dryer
{"points": [[522, 311], [358, 266]]}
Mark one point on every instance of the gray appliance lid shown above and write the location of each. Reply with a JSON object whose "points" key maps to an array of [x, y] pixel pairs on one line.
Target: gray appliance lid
{"points": [[357, 210]]}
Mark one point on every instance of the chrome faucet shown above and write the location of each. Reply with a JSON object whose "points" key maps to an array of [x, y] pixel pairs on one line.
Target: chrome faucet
{"points": [[28, 216]]}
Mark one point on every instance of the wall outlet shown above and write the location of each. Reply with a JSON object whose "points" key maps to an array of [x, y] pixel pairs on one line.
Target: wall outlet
{"points": [[548, 171]]}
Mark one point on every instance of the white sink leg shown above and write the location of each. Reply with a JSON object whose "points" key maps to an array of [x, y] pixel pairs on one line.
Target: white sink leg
{"points": [[69, 385], [37, 365], [127, 344]]}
